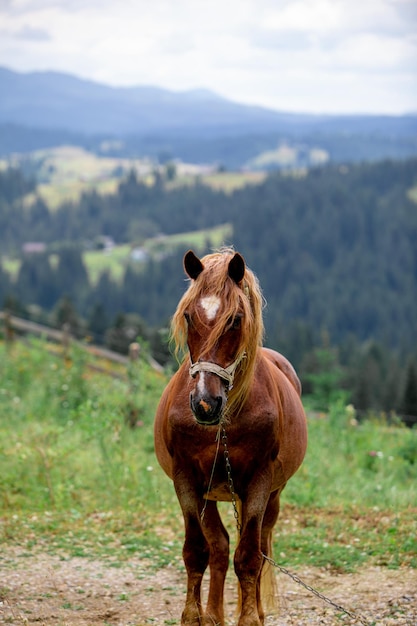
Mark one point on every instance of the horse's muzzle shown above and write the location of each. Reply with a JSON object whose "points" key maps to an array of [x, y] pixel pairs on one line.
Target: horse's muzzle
{"points": [[207, 411]]}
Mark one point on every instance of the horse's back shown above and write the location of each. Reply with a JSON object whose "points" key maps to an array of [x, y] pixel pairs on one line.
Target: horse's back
{"points": [[285, 366], [292, 419]]}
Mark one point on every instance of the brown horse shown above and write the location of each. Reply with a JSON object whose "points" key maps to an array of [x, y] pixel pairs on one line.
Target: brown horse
{"points": [[230, 389]]}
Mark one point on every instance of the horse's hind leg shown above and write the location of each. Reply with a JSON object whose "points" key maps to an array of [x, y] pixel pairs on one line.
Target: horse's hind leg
{"points": [[218, 540]]}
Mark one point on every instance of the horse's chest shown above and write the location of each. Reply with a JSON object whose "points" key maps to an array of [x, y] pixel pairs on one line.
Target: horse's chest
{"points": [[230, 465], [217, 460]]}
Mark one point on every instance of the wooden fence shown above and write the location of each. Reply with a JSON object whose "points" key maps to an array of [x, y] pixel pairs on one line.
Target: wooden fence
{"points": [[15, 327]]}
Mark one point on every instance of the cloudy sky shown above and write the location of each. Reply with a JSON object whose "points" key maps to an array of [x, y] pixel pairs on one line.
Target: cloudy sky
{"points": [[333, 56]]}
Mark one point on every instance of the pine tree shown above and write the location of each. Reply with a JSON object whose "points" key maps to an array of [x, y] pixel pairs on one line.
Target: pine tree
{"points": [[409, 401]]}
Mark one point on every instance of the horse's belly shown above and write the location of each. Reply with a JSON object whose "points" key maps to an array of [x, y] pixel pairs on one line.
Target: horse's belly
{"points": [[220, 493]]}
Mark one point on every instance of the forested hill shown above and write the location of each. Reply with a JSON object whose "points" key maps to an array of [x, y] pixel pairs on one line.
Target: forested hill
{"points": [[335, 250], [338, 250]]}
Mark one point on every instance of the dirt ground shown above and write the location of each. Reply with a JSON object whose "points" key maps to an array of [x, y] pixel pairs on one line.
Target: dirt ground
{"points": [[54, 591]]}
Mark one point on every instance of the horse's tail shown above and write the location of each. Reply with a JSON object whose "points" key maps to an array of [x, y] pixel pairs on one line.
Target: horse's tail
{"points": [[268, 581]]}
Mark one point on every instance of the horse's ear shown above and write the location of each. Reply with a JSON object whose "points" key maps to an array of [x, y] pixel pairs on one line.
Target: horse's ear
{"points": [[237, 267], [192, 265]]}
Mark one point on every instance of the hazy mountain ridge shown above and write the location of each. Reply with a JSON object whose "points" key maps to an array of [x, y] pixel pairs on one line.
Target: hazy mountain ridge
{"points": [[57, 100], [45, 109], [54, 100]]}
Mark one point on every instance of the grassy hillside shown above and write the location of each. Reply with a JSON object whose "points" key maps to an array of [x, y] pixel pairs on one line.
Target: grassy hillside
{"points": [[76, 479], [64, 173]]}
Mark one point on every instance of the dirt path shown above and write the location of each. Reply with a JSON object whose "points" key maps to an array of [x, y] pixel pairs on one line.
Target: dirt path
{"points": [[51, 591]]}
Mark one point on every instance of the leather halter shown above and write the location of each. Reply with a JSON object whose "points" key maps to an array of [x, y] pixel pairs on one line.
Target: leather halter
{"points": [[225, 373]]}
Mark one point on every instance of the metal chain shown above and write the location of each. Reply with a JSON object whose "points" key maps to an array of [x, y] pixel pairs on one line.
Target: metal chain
{"points": [[298, 580], [230, 481], [294, 577]]}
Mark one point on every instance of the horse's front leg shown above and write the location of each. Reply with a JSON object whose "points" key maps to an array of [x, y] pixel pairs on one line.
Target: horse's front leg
{"points": [[196, 556], [195, 553], [218, 540], [206, 543], [248, 556]]}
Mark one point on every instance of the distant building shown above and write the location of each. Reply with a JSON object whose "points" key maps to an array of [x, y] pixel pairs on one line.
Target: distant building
{"points": [[138, 254], [34, 247], [105, 243]]}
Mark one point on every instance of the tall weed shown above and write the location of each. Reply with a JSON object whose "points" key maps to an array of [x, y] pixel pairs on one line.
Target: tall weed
{"points": [[371, 463], [65, 440]]}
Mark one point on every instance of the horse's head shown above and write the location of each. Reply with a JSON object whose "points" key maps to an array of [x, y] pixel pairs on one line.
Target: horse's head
{"points": [[221, 327]]}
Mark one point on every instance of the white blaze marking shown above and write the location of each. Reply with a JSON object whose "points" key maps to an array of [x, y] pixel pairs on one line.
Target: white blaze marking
{"points": [[210, 305], [201, 386]]}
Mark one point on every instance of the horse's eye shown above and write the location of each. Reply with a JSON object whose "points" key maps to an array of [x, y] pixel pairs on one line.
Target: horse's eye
{"points": [[236, 322]]}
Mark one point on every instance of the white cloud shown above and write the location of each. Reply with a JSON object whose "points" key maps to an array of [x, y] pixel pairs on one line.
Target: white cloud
{"points": [[318, 55], [31, 33], [316, 15]]}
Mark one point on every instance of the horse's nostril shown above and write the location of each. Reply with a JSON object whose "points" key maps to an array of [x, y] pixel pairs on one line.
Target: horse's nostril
{"points": [[206, 410], [204, 405], [219, 404]]}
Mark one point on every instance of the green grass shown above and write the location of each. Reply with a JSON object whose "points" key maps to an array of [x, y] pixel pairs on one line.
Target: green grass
{"points": [[11, 266], [114, 262], [231, 181], [221, 181], [353, 463], [76, 480], [56, 193], [412, 194]]}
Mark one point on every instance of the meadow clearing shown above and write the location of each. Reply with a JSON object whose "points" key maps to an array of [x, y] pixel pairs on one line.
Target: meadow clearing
{"points": [[91, 531]]}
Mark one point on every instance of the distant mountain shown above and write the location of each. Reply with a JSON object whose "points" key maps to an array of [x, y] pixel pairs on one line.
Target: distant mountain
{"points": [[40, 110], [52, 100]]}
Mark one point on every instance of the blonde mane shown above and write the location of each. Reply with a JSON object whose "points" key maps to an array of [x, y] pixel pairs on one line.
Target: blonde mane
{"points": [[245, 298]]}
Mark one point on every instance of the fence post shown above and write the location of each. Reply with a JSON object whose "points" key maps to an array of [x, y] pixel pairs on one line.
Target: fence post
{"points": [[134, 351], [133, 376], [8, 329], [66, 339]]}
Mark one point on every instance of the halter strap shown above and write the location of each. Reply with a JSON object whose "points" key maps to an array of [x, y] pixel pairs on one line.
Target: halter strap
{"points": [[225, 373]]}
